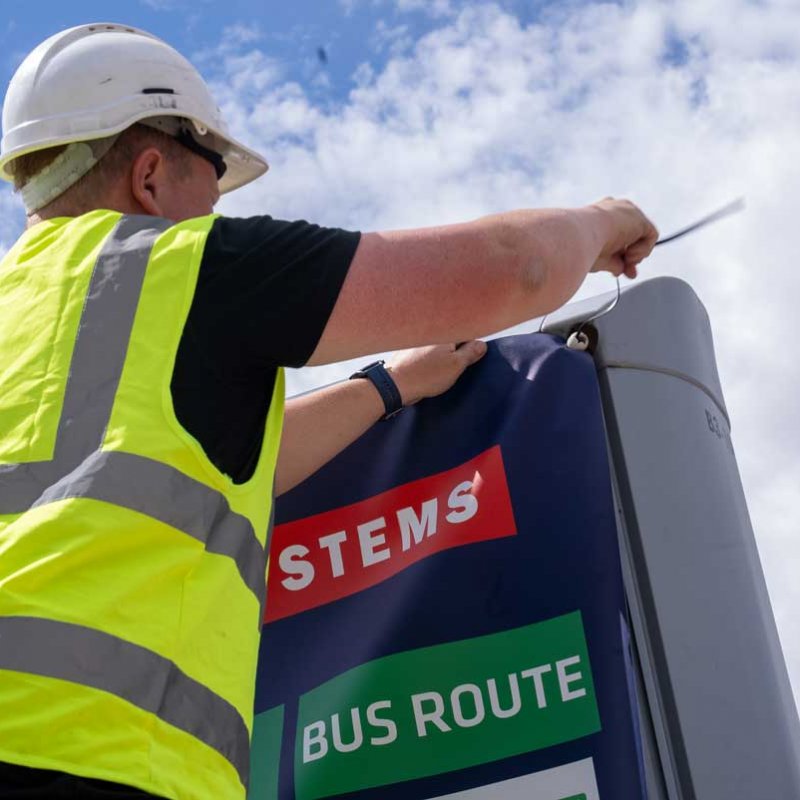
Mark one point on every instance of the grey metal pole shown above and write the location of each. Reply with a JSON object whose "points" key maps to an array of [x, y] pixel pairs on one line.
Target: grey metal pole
{"points": [[719, 718]]}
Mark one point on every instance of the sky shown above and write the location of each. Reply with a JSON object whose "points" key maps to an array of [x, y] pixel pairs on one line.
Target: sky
{"points": [[378, 114]]}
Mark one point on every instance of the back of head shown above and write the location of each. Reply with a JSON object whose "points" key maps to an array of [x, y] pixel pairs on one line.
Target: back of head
{"points": [[70, 180], [94, 94]]}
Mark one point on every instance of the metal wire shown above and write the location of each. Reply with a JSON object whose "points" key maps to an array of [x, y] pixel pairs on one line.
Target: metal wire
{"points": [[731, 208], [603, 311]]}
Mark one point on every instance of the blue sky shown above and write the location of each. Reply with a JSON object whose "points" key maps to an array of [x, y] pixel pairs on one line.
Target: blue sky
{"points": [[436, 111], [291, 31]]}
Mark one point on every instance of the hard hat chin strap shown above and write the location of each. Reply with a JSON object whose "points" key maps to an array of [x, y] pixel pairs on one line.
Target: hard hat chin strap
{"points": [[64, 171]]}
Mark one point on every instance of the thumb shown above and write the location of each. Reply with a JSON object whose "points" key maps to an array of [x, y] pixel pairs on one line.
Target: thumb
{"points": [[472, 351]]}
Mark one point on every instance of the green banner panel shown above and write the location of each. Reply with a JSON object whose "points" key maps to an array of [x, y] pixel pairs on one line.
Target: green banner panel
{"points": [[446, 707], [266, 754]]}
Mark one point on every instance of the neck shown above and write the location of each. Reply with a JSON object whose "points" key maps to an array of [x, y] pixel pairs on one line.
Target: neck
{"points": [[59, 209], [35, 219]]}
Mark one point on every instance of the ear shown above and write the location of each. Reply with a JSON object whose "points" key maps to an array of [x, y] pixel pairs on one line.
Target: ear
{"points": [[148, 180]]}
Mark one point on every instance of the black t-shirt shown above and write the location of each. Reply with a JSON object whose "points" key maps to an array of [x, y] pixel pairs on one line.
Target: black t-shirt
{"points": [[265, 291]]}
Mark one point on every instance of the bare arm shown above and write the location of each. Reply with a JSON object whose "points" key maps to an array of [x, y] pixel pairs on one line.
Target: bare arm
{"points": [[458, 282], [319, 425]]}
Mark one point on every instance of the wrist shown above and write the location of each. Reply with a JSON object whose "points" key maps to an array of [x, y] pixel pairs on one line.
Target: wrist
{"points": [[364, 395], [405, 386], [598, 225], [383, 382]]}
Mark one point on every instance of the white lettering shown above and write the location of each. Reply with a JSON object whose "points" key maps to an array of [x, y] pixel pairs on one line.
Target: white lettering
{"points": [[494, 700], [458, 712], [333, 543], [381, 722], [358, 734], [422, 717], [464, 504], [291, 562], [417, 528], [314, 734], [370, 541], [536, 673], [565, 680]]}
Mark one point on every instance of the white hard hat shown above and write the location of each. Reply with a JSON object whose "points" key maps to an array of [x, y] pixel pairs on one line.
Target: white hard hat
{"points": [[93, 81]]}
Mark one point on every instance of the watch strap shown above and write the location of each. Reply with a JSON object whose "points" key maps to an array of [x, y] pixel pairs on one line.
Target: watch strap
{"points": [[382, 380]]}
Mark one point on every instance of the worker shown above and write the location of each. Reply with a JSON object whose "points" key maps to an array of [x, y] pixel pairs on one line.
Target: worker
{"points": [[143, 341]]}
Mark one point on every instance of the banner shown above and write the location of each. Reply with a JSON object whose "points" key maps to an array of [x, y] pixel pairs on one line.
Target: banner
{"points": [[445, 615]]}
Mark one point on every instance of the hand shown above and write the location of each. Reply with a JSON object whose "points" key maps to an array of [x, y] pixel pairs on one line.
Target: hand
{"points": [[628, 235], [429, 371]]}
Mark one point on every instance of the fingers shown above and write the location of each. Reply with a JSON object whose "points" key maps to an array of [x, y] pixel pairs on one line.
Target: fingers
{"points": [[630, 238], [640, 250], [429, 371], [470, 352], [615, 264]]}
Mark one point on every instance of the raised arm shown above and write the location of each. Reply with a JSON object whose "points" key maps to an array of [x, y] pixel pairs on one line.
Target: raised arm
{"points": [[319, 425], [458, 282]]}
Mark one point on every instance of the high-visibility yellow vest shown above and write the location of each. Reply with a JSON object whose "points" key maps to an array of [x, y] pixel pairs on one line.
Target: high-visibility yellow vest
{"points": [[131, 569]]}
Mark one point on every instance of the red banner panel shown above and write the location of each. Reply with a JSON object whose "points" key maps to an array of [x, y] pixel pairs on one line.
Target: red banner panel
{"points": [[319, 559]]}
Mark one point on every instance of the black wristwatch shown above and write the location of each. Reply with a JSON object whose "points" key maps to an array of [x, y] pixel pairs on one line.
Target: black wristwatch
{"points": [[384, 383]]}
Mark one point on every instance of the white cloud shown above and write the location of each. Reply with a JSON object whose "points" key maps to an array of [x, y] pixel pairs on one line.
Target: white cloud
{"points": [[435, 8], [396, 39], [432, 8], [680, 105], [161, 5]]}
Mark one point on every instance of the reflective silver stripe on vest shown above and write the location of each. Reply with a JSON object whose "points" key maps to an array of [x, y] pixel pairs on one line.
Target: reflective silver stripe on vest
{"points": [[97, 360], [103, 336], [98, 356], [134, 482], [144, 678], [163, 493], [79, 468]]}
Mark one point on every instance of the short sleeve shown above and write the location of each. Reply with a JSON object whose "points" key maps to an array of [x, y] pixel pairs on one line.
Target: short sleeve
{"points": [[267, 287], [264, 293]]}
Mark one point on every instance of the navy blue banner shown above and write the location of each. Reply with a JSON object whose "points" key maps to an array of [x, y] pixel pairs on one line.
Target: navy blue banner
{"points": [[445, 614]]}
